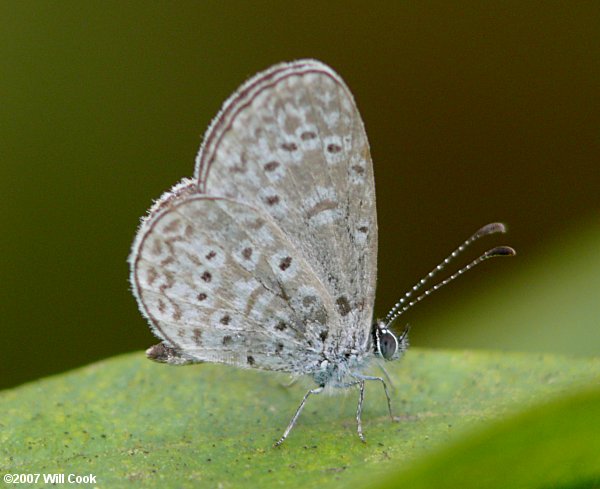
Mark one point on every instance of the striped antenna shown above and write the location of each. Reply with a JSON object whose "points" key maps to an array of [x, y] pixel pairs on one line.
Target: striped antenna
{"points": [[403, 305]]}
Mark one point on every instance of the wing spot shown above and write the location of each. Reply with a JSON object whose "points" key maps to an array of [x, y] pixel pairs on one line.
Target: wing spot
{"points": [[197, 336], [250, 360], [206, 276], [242, 167], [152, 275], [227, 340], [323, 335], [343, 305], [272, 200], [358, 169], [201, 296], [247, 253], [161, 306], [172, 226], [363, 229], [176, 312], [308, 135], [169, 282], [257, 224], [279, 348], [225, 319], [289, 147], [157, 247], [193, 258], [189, 230], [324, 205], [167, 261], [271, 165], [280, 326], [285, 263], [211, 254], [334, 148], [170, 243]]}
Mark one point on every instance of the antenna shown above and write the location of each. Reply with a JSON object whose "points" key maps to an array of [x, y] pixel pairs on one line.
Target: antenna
{"points": [[495, 227]]}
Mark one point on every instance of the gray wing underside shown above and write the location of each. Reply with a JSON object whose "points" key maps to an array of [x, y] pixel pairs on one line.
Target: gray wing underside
{"points": [[220, 282], [291, 143]]}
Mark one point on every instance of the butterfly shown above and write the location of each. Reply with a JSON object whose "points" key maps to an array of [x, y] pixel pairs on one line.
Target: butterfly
{"points": [[267, 257]]}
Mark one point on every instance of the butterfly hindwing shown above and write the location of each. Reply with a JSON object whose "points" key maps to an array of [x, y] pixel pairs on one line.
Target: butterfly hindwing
{"points": [[220, 282]]}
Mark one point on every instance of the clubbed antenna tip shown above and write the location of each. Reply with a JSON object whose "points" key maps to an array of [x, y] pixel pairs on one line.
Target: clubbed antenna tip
{"points": [[494, 227], [403, 305], [501, 251]]}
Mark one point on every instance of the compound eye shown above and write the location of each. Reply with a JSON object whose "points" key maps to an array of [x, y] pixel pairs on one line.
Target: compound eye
{"points": [[388, 345]]}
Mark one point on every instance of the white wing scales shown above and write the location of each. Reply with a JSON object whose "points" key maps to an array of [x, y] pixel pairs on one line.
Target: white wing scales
{"points": [[219, 282], [268, 258], [292, 143]]}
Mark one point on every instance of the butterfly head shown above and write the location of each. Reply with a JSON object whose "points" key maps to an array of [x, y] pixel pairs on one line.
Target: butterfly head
{"points": [[386, 343]]}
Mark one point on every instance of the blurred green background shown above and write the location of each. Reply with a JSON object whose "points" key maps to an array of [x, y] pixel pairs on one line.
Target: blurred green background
{"points": [[475, 112]]}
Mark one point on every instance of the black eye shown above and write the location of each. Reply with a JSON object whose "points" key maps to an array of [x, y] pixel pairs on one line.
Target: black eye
{"points": [[388, 345]]}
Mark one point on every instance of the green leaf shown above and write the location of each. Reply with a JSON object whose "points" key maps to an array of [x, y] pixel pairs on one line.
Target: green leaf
{"points": [[556, 445], [127, 419]]}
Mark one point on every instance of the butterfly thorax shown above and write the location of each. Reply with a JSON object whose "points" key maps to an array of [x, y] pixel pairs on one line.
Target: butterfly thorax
{"points": [[339, 371]]}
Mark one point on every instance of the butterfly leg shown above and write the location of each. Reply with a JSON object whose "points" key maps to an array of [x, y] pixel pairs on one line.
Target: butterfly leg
{"points": [[387, 375], [385, 389], [361, 398], [318, 390]]}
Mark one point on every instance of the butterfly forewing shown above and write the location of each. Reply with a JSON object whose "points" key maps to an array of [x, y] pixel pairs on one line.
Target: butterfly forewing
{"points": [[291, 143]]}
